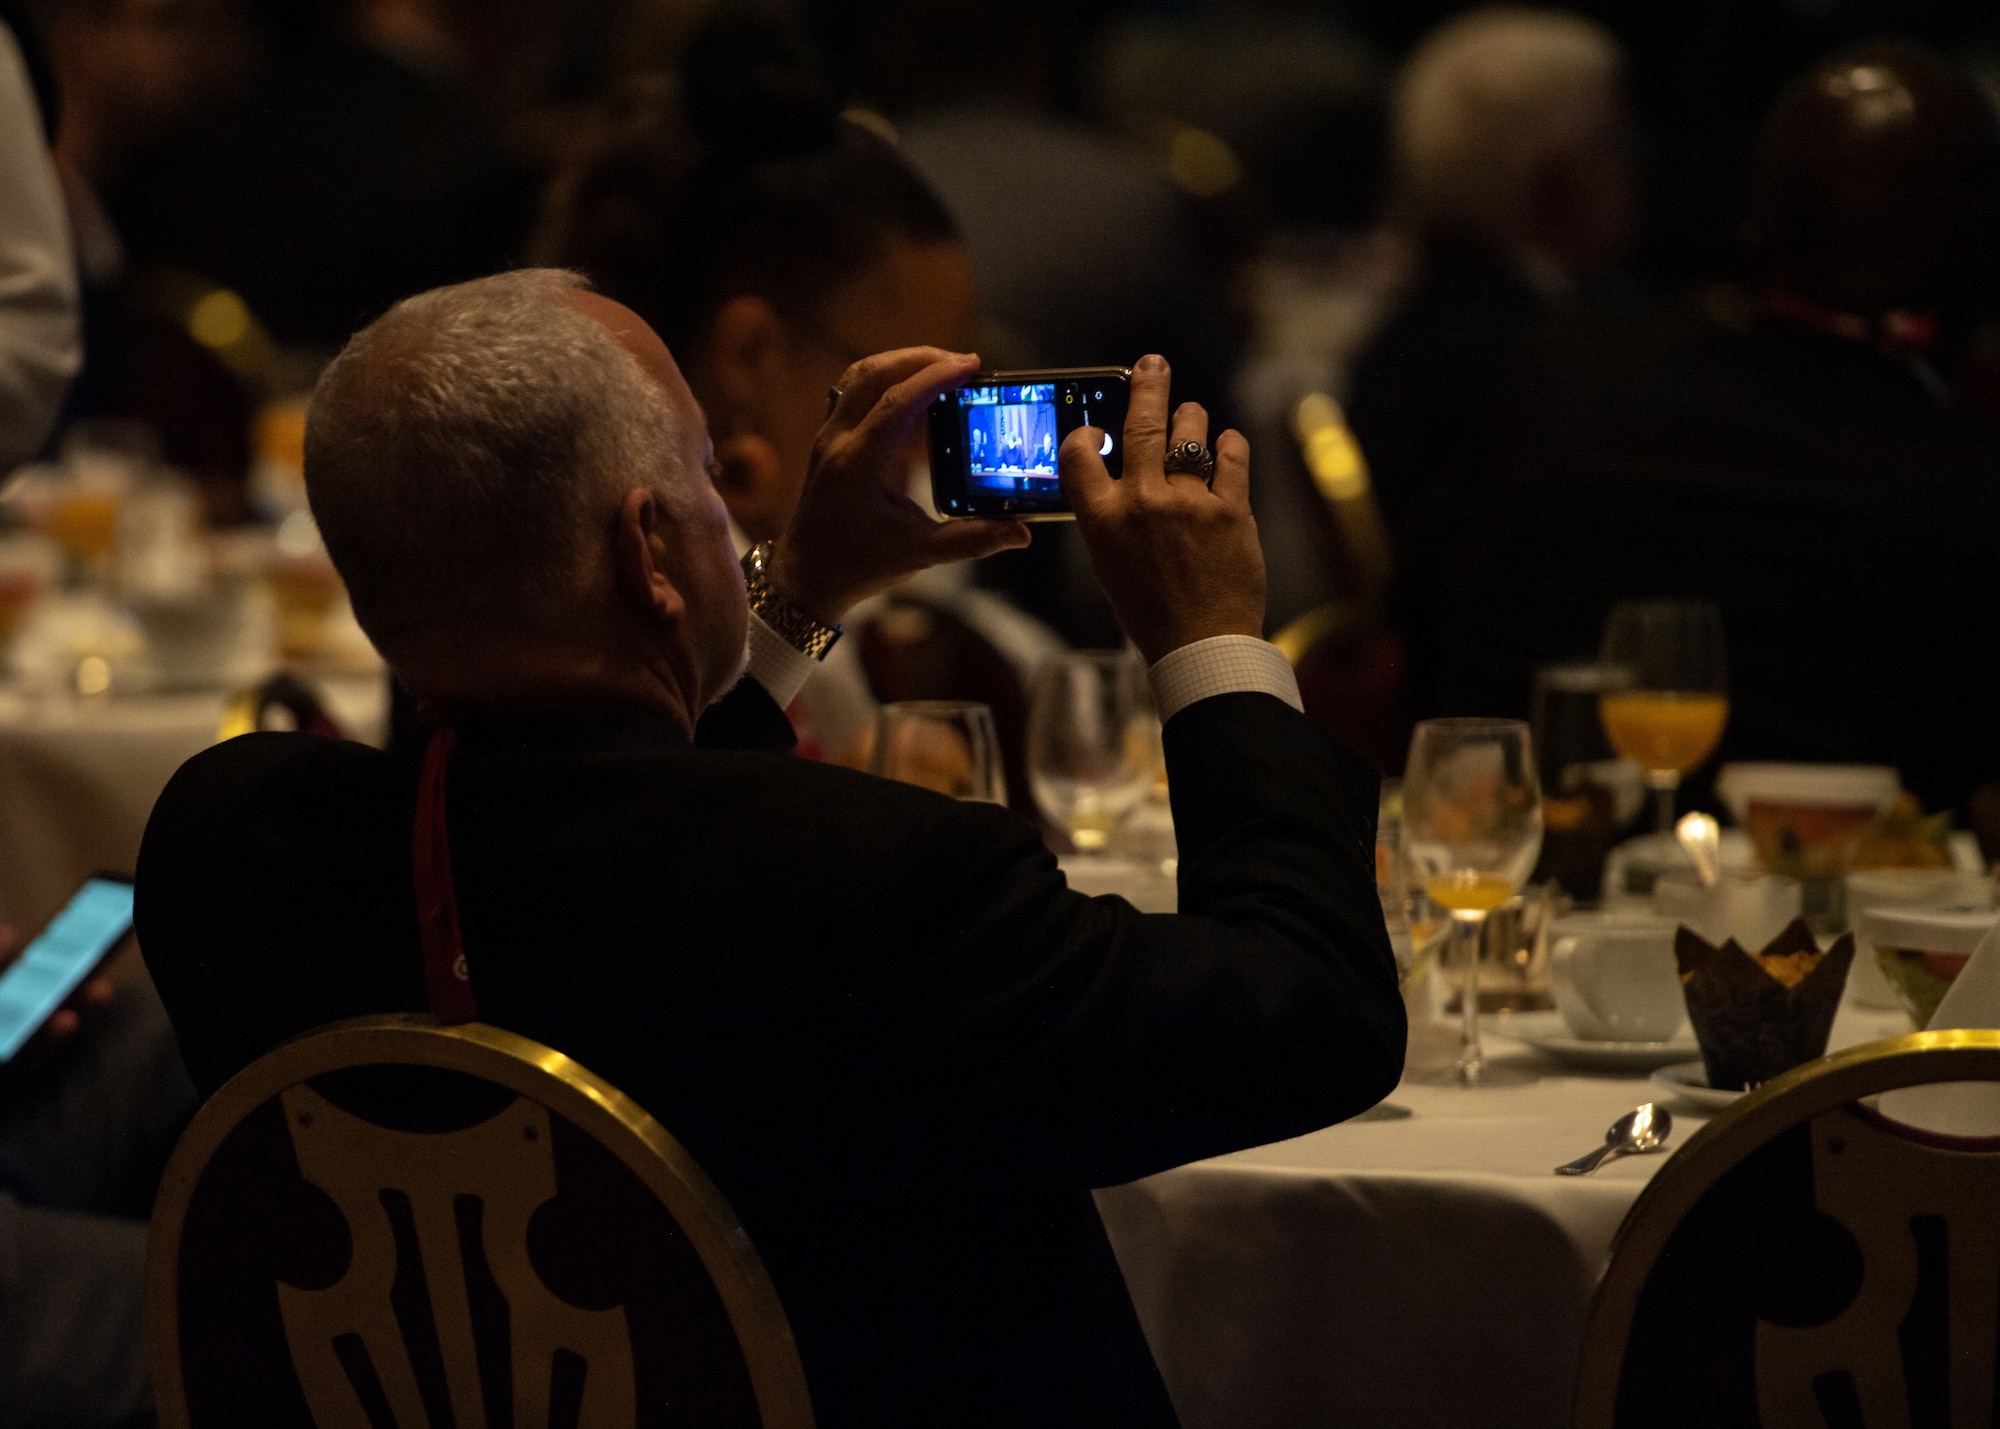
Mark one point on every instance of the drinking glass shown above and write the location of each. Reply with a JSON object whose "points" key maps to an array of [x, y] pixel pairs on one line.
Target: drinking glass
{"points": [[1670, 698], [29, 565], [946, 745], [102, 460], [1588, 793], [1472, 826], [1093, 743]]}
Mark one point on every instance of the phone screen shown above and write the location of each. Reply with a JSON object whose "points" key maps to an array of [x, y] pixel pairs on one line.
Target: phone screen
{"points": [[994, 442], [1010, 438], [51, 967]]}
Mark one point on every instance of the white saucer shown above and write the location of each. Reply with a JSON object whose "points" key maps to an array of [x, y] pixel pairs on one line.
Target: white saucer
{"points": [[1547, 1032], [1690, 1080]]}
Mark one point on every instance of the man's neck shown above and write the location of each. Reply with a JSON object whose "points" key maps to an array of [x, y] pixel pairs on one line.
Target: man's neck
{"points": [[450, 683]]}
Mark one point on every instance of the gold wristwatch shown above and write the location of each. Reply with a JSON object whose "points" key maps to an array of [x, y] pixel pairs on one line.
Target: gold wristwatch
{"points": [[793, 626]]}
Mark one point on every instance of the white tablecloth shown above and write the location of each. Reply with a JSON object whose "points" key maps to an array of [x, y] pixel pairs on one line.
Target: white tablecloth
{"points": [[1432, 1271], [78, 779]]}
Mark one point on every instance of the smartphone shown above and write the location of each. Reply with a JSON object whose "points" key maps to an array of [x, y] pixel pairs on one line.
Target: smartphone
{"points": [[93, 922], [994, 441]]}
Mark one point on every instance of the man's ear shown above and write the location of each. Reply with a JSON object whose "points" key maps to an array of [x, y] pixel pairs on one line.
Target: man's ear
{"points": [[641, 552]]}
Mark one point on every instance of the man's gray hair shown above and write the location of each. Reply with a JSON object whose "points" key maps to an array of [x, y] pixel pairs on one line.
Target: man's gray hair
{"points": [[1490, 98], [467, 449]]}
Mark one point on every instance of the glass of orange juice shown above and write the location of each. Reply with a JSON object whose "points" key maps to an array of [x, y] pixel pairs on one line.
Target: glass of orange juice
{"points": [[1472, 829], [1667, 701]]}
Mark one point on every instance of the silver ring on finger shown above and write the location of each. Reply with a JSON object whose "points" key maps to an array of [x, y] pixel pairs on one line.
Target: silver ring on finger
{"points": [[832, 399], [1190, 459]]}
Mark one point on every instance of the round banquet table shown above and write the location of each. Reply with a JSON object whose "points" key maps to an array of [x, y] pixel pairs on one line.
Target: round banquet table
{"points": [[78, 779], [1432, 1270]]}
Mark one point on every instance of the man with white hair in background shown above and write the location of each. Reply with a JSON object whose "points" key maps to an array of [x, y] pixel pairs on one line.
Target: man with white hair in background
{"points": [[897, 1041], [1514, 179]]}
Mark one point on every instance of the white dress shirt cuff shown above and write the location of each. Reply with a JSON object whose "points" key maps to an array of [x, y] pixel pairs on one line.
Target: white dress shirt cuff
{"points": [[1221, 665], [776, 664]]}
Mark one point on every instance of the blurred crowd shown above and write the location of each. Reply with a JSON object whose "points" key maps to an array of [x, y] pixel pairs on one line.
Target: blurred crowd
{"points": [[1584, 259], [1524, 311]]}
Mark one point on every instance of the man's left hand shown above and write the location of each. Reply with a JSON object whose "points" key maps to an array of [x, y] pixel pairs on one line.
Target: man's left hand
{"points": [[856, 531]]}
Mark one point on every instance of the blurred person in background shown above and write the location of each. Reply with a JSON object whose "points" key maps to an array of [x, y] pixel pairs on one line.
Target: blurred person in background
{"points": [[89, 1111], [341, 172], [1513, 176], [1787, 449], [39, 347], [133, 75], [1084, 249], [817, 243]]}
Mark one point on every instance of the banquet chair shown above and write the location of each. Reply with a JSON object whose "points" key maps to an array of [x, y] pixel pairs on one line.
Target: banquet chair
{"points": [[1805, 1261], [390, 1224], [281, 701], [1352, 669]]}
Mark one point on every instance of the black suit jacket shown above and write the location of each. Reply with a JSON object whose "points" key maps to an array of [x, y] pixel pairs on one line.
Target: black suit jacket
{"points": [[881, 1021]]}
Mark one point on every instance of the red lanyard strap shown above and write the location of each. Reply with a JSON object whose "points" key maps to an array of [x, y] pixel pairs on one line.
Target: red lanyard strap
{"points": [[447, 981]]}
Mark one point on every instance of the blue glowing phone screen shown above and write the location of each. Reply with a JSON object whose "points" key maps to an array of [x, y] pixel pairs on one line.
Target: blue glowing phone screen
{"points": [[50, 968]]}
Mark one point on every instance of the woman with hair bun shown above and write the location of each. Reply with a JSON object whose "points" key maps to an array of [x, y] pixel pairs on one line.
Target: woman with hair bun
{"points": [[769, 240]]}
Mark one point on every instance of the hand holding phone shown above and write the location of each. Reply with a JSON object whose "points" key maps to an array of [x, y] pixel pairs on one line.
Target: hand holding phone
{"points": [[856, 531], [994, 441], [47, 986], [1177, 556]]}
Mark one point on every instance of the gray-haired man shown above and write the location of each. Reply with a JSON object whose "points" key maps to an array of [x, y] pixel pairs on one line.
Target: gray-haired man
{"points": [[896, 1040]]}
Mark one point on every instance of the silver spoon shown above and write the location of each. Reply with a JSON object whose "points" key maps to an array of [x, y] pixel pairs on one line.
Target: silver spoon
{"points": [[1644, 1128], [1701, 836]]}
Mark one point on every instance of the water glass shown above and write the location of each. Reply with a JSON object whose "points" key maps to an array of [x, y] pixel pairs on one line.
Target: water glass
{"points": [[1093, 743], [1472, 825], [946, 745]]}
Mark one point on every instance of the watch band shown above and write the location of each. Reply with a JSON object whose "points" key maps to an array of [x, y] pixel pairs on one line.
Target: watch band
{"points": [[792, 625]]}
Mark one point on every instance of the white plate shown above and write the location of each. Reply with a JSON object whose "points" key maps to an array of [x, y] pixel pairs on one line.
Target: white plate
{"points": [[1690, 1080], [1547, 1032]]}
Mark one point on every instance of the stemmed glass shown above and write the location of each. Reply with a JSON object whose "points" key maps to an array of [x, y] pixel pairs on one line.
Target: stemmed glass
{"points": [[1472, 826], [1093, 743], [1667, 700], [946, 745]]}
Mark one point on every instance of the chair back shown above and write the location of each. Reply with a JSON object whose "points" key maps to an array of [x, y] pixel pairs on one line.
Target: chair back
{"points": [[1805, 1261], [388, 1224]]}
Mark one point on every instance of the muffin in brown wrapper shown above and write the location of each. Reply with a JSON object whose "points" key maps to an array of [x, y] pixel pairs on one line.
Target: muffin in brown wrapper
{"points": [[1759, 1014]]}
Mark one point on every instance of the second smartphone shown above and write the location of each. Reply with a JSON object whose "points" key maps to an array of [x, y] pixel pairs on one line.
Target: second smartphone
{"points": [[993, 442]]}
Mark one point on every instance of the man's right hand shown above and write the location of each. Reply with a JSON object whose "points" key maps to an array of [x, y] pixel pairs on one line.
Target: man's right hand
{"points": [[1178, 558], [856, 531]]}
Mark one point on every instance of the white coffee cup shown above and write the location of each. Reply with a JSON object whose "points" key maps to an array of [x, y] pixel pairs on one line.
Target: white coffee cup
{"points": [[1614, 976]]}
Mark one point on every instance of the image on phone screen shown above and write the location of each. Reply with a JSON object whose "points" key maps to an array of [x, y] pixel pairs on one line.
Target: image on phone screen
{"points": [[1010, 438], [55, 964], [994, 442]]}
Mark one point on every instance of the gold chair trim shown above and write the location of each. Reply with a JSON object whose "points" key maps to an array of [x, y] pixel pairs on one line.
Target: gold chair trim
{"points": [[1798, 1096], [531, 1070]]}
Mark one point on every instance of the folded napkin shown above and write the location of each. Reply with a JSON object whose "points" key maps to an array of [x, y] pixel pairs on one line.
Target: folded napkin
{"points": [[1959, 1108]]}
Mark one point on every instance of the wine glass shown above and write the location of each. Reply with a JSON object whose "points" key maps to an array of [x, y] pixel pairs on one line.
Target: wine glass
{"points": [[946, 745], [1093, 743], [1668, 698], [1472, 827]]}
